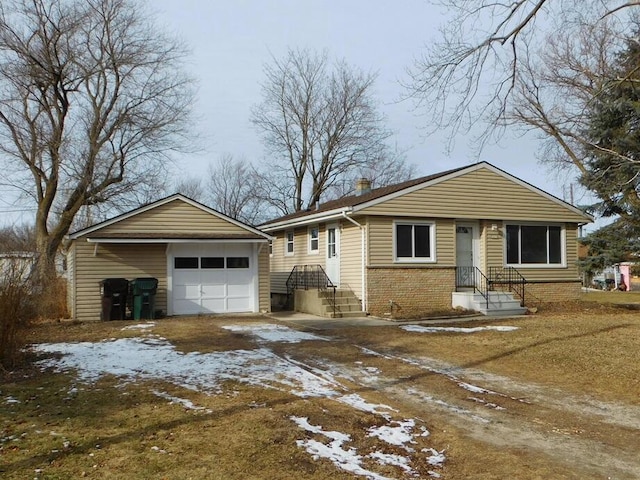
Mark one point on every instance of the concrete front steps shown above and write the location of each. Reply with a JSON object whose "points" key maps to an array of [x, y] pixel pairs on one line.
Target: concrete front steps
{"points": [[347, 304], [320, 302], [501, 304]]}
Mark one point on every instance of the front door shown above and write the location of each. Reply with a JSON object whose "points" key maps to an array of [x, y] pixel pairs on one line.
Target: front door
{"points": [[466, 258], [333, 253]]}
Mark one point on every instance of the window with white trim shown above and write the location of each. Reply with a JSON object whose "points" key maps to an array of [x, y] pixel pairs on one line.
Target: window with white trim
{"points": [[414, 242], [288, 243], [314, 239], [534, 245]]}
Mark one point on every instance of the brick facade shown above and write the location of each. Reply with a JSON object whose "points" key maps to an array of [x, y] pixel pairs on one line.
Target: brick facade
{"points": [[551, 292], [400, 292], [409, 292]]}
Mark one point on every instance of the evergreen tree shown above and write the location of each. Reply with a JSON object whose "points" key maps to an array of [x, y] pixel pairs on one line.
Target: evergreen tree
{"points": [[613, 155]]}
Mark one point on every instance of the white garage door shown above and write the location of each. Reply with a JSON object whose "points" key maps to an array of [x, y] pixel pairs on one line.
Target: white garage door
{"points": [[213, 278]]}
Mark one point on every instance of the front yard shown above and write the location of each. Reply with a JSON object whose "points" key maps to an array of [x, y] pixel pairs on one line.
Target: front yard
{"points": [[554, 395]]}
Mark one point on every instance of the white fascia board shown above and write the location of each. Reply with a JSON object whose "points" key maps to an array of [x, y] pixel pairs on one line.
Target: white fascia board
{"points": [[307, 220], [178, 240]]}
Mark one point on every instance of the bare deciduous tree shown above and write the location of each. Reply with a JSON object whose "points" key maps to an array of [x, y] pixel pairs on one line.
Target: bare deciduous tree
{"points": [[381, 171], [17, 238], [92, 99], [553, 90], [320, 122], [471, 76], [191, 187], [233, 189]]}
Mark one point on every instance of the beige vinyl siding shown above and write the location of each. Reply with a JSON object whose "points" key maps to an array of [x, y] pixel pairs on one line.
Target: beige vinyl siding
{"points": [[175, 216], [71, 280], [301, 256], [263, 280], [351, 257], [496, 256], [381, 241], [116, 261], [477, 194], [494, 246]]}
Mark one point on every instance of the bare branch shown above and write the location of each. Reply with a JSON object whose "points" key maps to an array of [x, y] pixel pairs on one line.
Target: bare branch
{"points": [[92, 99]]}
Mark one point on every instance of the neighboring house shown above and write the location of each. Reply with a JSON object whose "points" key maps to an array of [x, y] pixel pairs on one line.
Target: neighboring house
{"points": [[205, 262], [403, 250]]}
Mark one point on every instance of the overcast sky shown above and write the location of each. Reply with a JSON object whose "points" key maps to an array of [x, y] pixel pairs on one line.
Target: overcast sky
{"points": [[232, 40]]}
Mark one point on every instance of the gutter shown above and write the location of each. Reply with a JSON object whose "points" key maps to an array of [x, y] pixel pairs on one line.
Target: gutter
{"points": [[363, 278], [305, 220]]}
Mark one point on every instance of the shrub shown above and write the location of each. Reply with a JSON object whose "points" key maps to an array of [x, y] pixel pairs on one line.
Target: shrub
{"points": [[16, 309]]}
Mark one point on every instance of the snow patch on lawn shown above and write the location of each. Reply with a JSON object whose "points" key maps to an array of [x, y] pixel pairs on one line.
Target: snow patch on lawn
{"points": [[474, 388], [349, 460], [133, 359], [188, 404], [396, 433], [425, 329], [154, 358], [359, 403], [140, 326], [274, 333]]}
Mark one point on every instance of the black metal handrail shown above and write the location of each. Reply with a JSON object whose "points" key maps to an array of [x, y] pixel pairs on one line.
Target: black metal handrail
{"points": [[509, 278], [310, 276], [472, 277]]}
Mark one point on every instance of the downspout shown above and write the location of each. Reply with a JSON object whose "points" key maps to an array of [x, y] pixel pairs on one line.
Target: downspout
{"points": [[363, 259]]}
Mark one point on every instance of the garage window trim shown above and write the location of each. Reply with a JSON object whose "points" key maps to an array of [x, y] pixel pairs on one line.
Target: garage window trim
{"points": [[186, 263], [212, 262], [237, 262]]}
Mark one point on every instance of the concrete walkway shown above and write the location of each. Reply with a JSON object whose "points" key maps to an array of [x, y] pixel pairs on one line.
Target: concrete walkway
{"points": [[307, 320]]}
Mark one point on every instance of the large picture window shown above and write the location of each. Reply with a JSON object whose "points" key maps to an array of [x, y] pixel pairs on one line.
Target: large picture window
{"points": [[414, 242], [534, 245]]}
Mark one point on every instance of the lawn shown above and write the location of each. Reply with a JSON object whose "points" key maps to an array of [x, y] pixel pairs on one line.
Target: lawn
{"points": [[552, 395]]}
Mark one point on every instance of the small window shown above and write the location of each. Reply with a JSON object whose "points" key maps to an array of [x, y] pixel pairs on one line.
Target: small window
{"points": [[185, 262], [288, 248], [270, 248], [414, 242], [237, 262], [212, 262], [314, 240]]}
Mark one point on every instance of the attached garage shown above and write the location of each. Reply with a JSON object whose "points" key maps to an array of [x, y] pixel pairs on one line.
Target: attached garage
{"points": [[205, 262]]}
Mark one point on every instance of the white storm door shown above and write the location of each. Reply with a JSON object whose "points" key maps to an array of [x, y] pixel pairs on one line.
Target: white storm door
{"points": [[333, 253], [464, 246]]}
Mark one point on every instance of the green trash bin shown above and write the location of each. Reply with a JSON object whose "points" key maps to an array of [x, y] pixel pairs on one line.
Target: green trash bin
{"points": [[143, 293]]}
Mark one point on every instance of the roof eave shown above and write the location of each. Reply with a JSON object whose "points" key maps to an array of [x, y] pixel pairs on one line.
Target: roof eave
{"points": [[306, 220], [177, 240]]}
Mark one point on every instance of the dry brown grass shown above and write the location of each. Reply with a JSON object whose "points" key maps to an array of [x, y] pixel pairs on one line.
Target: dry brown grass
{"points": [[111, 429]]}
